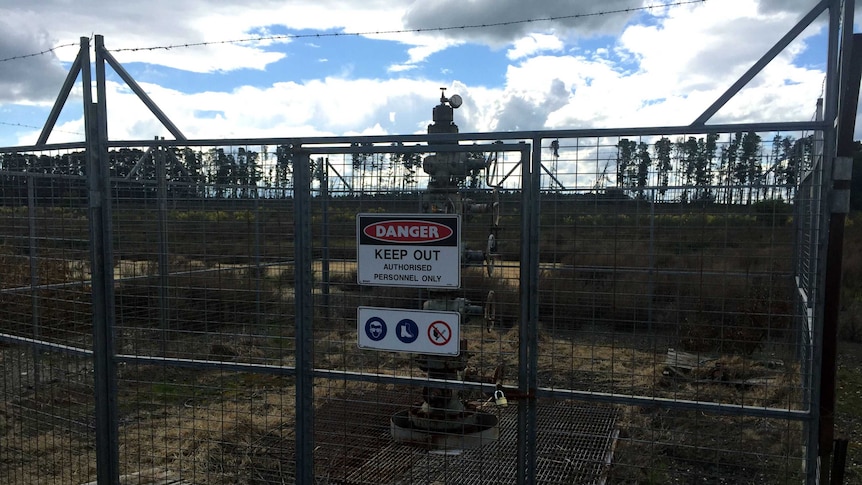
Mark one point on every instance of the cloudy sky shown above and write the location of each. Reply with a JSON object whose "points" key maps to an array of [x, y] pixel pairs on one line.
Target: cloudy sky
{"points": [[340, 67]]}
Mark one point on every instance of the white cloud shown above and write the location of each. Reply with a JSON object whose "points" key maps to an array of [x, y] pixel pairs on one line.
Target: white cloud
{"points": [[401, 67], [332, 106], [689, 50], [513, 19], [532, 44], [677, 67], [30, 80], [126, 25], [418, 54], [664, 71]]}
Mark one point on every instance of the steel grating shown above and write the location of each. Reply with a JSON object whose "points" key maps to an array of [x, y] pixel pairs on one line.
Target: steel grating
{"points": [[574, 445]]}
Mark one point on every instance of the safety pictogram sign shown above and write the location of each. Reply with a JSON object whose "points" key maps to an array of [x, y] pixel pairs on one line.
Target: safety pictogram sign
{"points": [[375, 329], [439, 333], [407, 331], [414, 331]]}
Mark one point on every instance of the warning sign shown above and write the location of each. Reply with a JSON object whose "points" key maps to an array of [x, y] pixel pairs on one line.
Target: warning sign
{"points": [[415, 331], [439, 333], [421, 250]]}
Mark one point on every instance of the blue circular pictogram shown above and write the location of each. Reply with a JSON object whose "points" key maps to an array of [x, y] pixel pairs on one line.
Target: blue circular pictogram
{"points": [[375, 328], [407, 331]]}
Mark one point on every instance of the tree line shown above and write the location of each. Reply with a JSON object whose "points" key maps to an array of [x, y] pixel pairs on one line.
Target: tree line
{"points": [[215, 172], [687, 169], [699, 169]]}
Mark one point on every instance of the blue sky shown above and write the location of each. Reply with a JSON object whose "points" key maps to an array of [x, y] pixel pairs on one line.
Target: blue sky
{"points": [[616, 63]]}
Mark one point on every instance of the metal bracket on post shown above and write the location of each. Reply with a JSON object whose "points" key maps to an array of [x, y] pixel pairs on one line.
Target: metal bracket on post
{"points": [[841, 174]]}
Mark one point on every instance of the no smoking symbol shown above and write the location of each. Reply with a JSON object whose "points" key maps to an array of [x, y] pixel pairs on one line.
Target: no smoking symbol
{"points": [[439, 333]]}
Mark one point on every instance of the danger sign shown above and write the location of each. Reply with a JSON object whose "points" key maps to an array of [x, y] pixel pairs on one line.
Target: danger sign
{"points": [[408, 231], [421, 250]]}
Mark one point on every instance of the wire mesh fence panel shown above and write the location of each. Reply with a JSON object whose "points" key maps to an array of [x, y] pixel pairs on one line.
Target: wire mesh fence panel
{"points": [[46, 412], [203, 263], [205, 314], [667, 272]]}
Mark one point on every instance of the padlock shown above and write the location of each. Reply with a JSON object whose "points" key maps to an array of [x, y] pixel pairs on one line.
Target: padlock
{"points": [[500, 398]]}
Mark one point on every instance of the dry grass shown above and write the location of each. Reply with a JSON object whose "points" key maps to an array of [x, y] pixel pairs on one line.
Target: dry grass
{"points": [[222, 442], [230, 428], [226, 428]]}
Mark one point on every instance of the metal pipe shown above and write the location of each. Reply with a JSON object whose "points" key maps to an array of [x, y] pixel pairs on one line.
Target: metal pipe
{"points": [[45, 345], [485, 387], [304, 318], [534, 182], [258, 263], [142, 95], [839, 461], [162, 230], [347, 141], [71, 77], [324, 202], [34, 275], [763, 62], [834, 180], [528, 288], [839, 204], [140, 163], [101, 255]]}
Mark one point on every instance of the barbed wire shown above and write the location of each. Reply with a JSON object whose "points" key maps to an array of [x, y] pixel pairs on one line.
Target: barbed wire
{"points": [[412, 31], [38, 128], [373, 32], [42, 53]]}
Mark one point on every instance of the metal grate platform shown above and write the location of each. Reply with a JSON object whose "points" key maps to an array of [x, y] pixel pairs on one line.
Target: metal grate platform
{"points": [[575, 444]]}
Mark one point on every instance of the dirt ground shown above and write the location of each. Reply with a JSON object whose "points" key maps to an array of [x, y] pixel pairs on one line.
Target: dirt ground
{"points": [[848, 416]]}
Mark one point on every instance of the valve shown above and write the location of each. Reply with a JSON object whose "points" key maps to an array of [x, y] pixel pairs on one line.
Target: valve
{"points": [[490, 310], [491, 254], [473, 256], [495, 209], [460, 305]]}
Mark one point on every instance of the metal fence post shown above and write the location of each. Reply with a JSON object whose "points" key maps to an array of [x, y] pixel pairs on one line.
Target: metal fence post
{"points": [[304, 317], [258, 268], [532, 206], [323, 168], [528, 348], [34, 275], [102, 271], [162, 216]]}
